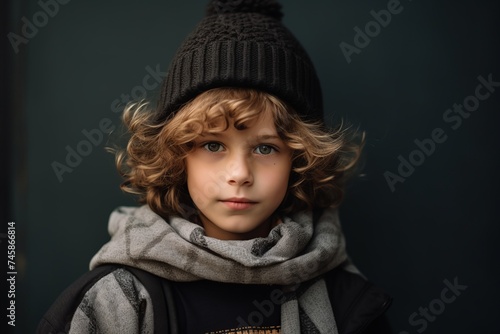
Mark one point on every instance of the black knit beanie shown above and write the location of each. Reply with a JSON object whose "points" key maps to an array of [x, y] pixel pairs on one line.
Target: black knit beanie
{"points": [[243, 43]]}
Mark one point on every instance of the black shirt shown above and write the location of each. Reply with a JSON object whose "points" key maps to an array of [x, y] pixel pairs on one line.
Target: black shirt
{"points": [[214, 307]]}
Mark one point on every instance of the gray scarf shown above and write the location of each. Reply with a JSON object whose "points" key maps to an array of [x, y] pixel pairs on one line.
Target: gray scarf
{"points": [[294, 254]]}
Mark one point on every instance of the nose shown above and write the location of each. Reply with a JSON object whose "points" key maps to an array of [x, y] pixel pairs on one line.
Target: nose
{"points": [[239, 170]]}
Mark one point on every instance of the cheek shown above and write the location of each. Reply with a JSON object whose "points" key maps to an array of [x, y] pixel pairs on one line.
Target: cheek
{"points": [[193, 178], [277, 178], [196, 189], [201, 181]]}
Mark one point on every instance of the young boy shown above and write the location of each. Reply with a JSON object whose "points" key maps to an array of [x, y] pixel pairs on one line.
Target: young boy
{"points": [[240, 181]]}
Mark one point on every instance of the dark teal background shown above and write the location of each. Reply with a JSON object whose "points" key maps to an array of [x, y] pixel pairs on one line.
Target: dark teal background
{"points": [[441, 223]]}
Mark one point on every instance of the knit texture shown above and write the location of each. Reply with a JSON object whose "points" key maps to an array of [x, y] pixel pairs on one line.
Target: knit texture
{"points": [[117, 303], [243, 44], [295, 254]]}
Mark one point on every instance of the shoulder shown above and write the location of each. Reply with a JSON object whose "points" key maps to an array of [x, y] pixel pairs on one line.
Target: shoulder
{"points": [[116, 302], [358, 304], [119, 283]]}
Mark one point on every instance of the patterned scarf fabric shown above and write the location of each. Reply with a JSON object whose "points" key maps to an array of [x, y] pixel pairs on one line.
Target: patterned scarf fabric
{"points": [[294, 255]]}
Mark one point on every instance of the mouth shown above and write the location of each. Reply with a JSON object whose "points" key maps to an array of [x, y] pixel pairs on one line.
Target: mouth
{"points": [[238, 203]]}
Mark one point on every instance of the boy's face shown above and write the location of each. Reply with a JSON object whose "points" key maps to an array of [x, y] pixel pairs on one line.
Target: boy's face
{"points": [[238, 178]]}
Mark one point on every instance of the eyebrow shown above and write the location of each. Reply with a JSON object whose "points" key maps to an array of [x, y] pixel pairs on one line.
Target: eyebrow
{"points": [[266, 137]]}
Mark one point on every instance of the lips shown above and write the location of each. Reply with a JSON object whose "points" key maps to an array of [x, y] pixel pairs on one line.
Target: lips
{"points": [[238, 203]]}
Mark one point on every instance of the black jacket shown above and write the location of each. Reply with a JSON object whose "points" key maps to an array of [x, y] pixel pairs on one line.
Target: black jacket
{"points": [[358, 305]]}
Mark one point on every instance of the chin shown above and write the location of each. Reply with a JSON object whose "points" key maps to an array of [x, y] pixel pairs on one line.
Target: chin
{"points": [[237, 228]]}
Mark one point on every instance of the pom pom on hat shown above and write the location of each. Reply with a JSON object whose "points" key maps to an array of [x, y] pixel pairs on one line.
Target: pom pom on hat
{"points": [[265, 7]]}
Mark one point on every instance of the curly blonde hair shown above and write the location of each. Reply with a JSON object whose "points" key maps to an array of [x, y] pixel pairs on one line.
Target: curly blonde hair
{"points": [[153, 164]]}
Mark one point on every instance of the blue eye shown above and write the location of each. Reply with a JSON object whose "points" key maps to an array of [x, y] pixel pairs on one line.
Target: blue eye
{"points": [[213, 147], [264, 149]]}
